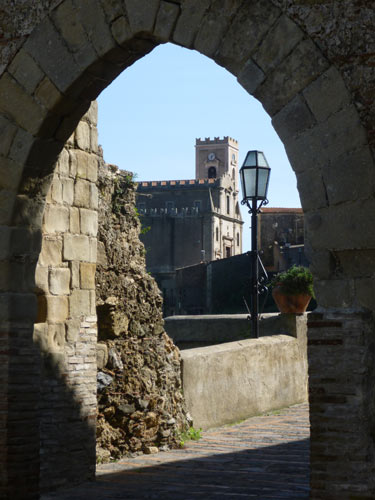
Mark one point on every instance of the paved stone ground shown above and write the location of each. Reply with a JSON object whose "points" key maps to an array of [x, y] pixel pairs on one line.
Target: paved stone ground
{"points": [[264, 457]]}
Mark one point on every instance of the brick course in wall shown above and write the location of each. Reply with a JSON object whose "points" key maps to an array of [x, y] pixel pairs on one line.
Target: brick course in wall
{"points": [[66, 331], [341, 393]]}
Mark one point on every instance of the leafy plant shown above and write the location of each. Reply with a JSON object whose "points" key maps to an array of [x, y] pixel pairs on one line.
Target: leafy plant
{"points": [[121, 185], [296, 280], [190, 435], [145, 229]]}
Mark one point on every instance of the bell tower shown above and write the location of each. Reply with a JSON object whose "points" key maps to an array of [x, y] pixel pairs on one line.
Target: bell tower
{"points": [[216, 157]]}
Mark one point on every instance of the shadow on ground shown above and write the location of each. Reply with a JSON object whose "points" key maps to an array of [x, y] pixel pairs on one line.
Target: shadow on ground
{"points": [[270, 472]]}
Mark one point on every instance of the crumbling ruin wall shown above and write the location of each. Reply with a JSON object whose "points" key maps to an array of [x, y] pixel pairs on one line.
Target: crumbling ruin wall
{"points": [[140, 401]]}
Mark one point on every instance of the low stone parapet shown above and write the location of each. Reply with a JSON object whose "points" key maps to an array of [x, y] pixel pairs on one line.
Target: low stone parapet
{"points": [[210, 329], [232, 381]]}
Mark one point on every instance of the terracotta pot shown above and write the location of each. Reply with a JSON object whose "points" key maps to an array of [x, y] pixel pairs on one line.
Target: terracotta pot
{"points": [[295, 304]]}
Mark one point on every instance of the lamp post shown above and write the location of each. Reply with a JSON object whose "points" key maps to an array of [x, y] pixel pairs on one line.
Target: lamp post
{"points": [[254, 174]]}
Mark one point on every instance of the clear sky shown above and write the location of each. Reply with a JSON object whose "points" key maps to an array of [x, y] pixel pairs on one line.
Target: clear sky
{"points": [[150, 116]]}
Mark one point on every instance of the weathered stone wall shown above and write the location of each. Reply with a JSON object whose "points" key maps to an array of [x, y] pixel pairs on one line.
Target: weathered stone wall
{"points": [[140, 398], [65, 329], [343, 30]]}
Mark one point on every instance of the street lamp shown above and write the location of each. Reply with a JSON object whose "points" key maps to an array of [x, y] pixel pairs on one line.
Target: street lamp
{"points": [[255, 175]]}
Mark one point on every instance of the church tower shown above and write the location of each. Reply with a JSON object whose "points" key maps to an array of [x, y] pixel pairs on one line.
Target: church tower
{"points": [[216, 157], [217, 161]]}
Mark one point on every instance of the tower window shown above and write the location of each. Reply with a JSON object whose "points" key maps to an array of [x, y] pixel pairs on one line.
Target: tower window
{"points": [[233, 174], [212, 173], [217, 234], [228, 205], [238, 239]]}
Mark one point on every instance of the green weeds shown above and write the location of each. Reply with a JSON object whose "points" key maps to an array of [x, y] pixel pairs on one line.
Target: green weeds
{"points": [[190, 435]]}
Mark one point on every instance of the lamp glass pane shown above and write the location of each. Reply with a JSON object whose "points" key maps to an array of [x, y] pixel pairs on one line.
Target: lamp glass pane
{"points": [[262, 162], [249, 182], [250, 160], [263, 174]]}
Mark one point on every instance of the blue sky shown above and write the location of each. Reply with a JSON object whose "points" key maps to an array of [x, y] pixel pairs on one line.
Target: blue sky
{"points": [[150, 116]]}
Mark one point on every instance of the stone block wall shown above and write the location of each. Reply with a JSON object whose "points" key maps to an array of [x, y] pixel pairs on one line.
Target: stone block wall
{"points": [[66, 327]]}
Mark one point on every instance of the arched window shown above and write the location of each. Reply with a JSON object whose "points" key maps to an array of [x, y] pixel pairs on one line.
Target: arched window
{"points": [[228, 205], [217, 234], [212, 173], [238, 239]]}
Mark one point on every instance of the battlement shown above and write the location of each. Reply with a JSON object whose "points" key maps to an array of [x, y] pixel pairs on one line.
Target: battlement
{"points": [[170, 212], [173, 184], [216, 140]]}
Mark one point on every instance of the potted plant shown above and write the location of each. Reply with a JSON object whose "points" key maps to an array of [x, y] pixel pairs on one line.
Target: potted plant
{"points": [[292, 290]]}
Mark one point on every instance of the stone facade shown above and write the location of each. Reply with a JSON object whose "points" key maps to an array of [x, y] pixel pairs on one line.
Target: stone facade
{"points": [[310, 64], [190, 221], [65, 330]]}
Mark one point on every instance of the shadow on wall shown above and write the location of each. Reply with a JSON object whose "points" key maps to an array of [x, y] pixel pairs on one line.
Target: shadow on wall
{"points": [[67, 430]]}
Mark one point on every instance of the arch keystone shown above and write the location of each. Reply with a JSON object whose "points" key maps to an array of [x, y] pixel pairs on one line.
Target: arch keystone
{"points": [[214, 26], [141, 15], [166, 20], [192, 13]]}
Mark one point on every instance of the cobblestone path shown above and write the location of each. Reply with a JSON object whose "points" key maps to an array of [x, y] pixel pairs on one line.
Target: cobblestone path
{"points": [[264, 457]]}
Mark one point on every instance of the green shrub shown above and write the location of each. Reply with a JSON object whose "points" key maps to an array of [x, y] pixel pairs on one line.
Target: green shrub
{"points": [[296, 280]]}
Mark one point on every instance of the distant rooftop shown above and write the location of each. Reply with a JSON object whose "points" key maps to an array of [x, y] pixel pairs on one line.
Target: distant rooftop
{"points": [[281, 210]]}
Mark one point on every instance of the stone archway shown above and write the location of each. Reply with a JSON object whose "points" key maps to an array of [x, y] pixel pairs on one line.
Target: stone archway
{"points": [[64, 58]]}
